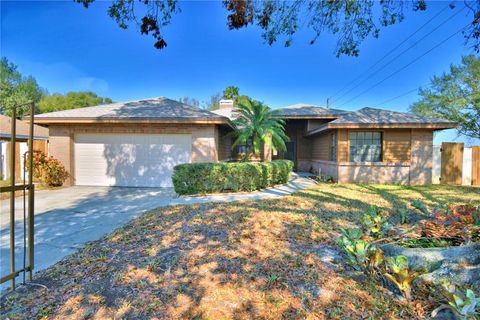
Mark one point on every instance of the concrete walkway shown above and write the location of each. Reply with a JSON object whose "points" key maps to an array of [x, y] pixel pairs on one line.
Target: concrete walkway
{"points": [[66, 219]]}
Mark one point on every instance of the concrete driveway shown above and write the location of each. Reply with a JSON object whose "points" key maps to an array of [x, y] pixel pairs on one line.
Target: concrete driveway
{"points": [[66, 219]]}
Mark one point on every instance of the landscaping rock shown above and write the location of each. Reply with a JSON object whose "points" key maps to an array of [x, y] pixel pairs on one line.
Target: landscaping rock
{"points": [[433, 258], [445, 314], [459, 265], [462, 275], [331, 257]]}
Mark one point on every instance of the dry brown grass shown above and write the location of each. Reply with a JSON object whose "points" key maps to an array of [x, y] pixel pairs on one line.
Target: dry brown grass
{"points": [[243, 260], [4, 196]]}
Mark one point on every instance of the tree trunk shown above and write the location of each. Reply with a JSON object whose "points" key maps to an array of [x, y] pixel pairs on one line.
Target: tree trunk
{"points": [[267, 149]]}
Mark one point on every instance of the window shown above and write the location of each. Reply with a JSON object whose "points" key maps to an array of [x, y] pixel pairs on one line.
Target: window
{"points": [[244, 148], [333, 146], [365, 146]]}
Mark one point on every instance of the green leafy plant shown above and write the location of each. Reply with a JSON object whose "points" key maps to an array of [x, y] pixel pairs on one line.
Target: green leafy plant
{"points": [[400, 274], [323, 178], [352, 233], [153, 264], [198, 178], [375, 260], [48, 170], [361, 254], [374, 221], [419, 205], [357, 252], [403, 213], [256, 124], [463, 303], [453, 95], [425, 243]]}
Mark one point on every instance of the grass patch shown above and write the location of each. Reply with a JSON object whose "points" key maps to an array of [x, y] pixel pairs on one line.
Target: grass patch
{"points": [[38, 186], [271, 259]]}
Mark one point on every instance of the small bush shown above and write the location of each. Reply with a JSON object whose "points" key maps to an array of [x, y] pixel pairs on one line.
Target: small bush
{"points": [[323, 178], [48, 170], [194, 178]]}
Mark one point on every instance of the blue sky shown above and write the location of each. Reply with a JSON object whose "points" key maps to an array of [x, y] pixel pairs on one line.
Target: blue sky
{"points": [[68, 48]]}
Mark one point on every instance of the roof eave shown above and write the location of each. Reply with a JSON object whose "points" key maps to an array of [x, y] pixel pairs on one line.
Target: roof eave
{"points": [[439, 126], [19, 137], [49, 121], [331, 126], [307, 117]]}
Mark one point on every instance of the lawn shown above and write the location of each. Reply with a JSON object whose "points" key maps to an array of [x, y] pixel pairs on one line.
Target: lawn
{"points": [[6, 183], [6, 195], [270, 259]]}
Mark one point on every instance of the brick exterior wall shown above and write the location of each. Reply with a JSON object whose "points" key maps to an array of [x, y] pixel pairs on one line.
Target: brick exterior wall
{"points": [[421, 157], [304, 165], [61, 148], [329, 168], [373, 173], [409, 160], [62, 139]]}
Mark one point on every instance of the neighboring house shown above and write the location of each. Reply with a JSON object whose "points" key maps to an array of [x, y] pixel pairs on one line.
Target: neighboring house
{"points": [[22, 133], [138, 143]]}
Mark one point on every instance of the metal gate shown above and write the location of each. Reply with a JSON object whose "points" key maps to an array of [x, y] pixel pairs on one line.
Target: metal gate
{"points": [[452, 163], [28, 197]]}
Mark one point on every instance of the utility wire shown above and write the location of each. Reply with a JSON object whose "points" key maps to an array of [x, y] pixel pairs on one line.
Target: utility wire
{"points": [[405, 66], [392, 50], [401, 53], [395, 98]]}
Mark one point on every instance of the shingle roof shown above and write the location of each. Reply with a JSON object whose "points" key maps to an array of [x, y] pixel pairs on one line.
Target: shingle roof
{"points": [[226, 112], [303, 110], [381, 116], [148, 109], [23, 129]]}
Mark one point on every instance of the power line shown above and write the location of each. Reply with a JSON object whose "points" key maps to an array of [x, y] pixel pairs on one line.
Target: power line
{"points": [[401, 53], [395, 98], [405, 66], [395, 48]]}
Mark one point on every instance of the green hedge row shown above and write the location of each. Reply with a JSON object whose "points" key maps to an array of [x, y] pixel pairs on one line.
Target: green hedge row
{"points": [[194, 178]]}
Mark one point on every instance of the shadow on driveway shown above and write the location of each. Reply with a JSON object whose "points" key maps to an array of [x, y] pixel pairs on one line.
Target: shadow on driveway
{"points": [[84, 214], [66, 219]]}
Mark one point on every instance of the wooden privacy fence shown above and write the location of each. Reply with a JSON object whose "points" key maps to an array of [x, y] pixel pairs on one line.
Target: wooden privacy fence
{"points": [[455, 165], [476, 166]]}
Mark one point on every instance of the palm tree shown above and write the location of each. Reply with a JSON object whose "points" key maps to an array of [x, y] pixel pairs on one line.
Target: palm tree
{"points": [[258, 125]]}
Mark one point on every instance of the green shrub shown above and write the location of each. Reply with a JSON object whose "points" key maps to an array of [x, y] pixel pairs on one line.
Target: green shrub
{"points": [[48, 170], [194, 178]]}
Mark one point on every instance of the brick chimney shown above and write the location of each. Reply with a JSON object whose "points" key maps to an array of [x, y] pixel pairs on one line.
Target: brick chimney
{"points": [[226, 104]]}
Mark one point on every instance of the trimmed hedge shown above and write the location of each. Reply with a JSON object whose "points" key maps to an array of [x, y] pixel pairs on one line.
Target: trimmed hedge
{"points": [[194, 178]]}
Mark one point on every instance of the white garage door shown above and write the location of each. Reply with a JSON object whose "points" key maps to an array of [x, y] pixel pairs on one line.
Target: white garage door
{"points": [[132, 160]]}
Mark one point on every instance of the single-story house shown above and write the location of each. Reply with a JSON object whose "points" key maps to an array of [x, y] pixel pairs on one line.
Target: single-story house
{"points": [[22, 133], [138, 143]]}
